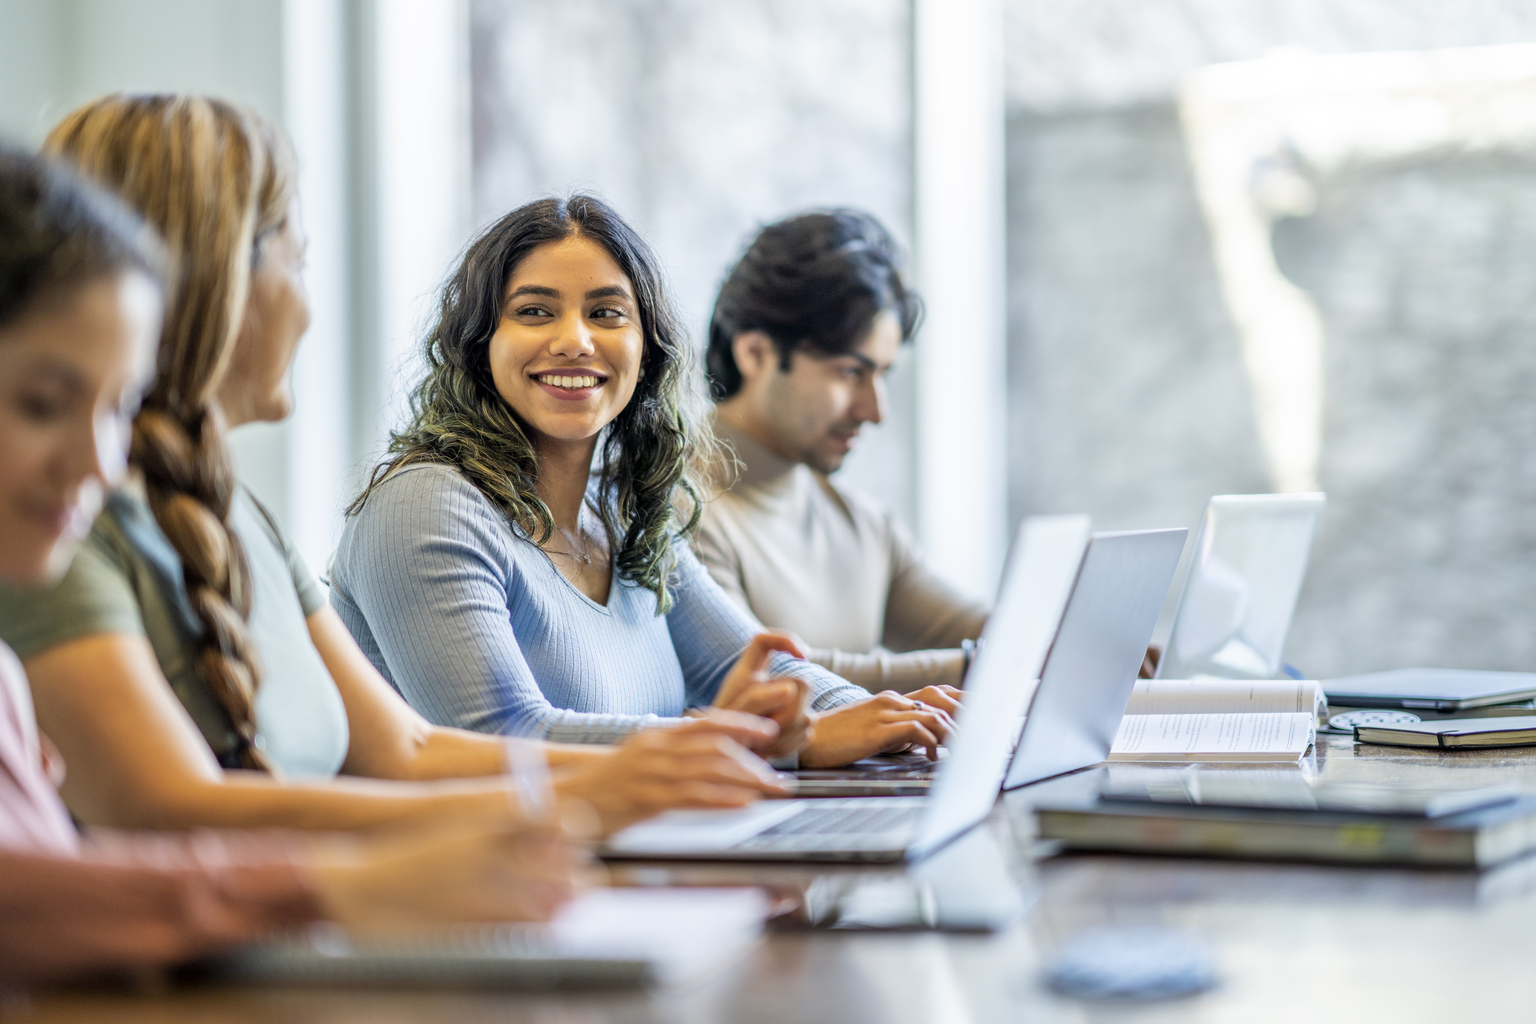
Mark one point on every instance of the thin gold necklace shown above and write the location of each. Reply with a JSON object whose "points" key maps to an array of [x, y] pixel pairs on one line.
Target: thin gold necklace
{"points": [[584, 555]]}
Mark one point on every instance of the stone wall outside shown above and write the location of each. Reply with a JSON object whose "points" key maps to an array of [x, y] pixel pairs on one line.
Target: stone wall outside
{"points": [[1129, 400]]}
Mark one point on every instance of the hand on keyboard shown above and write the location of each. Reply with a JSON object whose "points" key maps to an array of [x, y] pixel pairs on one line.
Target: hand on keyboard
{"points": [[884, 723], [696, 764]]}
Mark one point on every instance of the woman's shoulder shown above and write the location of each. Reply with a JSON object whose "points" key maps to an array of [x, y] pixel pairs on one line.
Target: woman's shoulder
{"points": [[426, 502], [250, 511], [126, 540], [423, 481], [422, 490]]}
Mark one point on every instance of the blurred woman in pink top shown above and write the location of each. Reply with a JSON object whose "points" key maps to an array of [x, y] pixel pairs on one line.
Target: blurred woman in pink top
{"points": [[80, 308]]}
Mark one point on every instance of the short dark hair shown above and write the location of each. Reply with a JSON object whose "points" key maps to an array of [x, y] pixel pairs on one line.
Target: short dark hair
{"points": [[816, 281], [59, 232]]}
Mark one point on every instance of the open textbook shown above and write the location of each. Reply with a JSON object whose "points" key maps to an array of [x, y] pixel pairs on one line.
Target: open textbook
{"points": [[1219, 720]]}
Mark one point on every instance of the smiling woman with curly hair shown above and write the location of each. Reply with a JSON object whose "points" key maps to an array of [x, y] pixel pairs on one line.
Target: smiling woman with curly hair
{"points": [[517, 563]]}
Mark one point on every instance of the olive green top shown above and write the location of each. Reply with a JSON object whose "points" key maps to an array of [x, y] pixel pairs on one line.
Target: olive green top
{"points": [[128, 579]]}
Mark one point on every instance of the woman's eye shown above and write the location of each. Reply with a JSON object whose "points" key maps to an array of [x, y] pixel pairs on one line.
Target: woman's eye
{"points": [[606, 312], [41, 407], [531, 311]]}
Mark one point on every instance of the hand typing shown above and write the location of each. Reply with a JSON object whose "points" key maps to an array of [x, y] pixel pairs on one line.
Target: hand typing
{"points": [[885, 723]]}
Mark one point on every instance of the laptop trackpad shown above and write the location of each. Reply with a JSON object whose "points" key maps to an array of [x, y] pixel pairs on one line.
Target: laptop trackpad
{"points": [[701, 830]]}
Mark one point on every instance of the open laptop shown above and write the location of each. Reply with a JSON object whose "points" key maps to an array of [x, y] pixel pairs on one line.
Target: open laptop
{"points": [[1092, 667], [1235, 610], [1042, 569], [1045, 577], [1089, 673]]}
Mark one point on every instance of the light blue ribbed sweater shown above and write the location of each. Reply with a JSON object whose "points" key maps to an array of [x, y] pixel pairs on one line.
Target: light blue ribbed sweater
{"points": [[475, 626]]}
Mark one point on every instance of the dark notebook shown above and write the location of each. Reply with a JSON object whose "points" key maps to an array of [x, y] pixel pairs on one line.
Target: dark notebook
{"points": [[1461, 732]]}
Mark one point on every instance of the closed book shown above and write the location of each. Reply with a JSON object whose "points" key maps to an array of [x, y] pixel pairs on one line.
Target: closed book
{"points": [[1513, 731], [1474, 838]]}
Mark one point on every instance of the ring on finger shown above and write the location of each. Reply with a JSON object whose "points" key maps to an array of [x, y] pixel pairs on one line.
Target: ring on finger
{"points": [[918, 705]]}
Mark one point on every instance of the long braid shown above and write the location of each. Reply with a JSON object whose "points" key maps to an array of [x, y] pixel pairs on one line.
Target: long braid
{"points": [[214, 180], [190, 484]]}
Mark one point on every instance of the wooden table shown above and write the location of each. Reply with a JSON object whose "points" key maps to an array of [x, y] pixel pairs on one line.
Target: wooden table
{"points": [[1294, 942]]}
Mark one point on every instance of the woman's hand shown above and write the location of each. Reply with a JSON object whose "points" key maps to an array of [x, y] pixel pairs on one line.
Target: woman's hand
{"points": [[748, 688], [943, 696], [885, 723], [700, 763], [456, 871]]}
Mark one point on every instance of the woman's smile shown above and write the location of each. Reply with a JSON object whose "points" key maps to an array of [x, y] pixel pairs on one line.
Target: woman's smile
{"points": [[573, 384]]}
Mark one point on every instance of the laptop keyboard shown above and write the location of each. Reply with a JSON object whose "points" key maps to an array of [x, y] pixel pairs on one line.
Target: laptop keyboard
{"points": [[835, 825], [883, 766], [884, 775]]}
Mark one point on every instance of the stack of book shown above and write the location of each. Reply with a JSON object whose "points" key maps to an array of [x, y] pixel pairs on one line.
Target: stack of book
{"points": [[1283, 815]]}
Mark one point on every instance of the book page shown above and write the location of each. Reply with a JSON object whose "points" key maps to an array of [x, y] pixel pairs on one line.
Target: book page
{"points": [[1209, 696], [1289, 733]]}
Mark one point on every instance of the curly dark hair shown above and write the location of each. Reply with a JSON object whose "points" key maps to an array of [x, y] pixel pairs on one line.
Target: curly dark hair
{"points": [[815, 281], [649, 453]]}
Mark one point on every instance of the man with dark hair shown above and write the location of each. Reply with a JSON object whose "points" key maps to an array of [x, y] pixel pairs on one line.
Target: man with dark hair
{"points": [[804, 331]]}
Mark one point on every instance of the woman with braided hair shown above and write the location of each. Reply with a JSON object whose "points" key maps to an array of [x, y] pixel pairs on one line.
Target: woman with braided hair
{"points": [[188, 665], [80, 306]]}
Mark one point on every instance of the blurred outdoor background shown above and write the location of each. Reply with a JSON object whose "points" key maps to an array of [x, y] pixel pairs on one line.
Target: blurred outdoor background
{"points": [[1172, 248]]}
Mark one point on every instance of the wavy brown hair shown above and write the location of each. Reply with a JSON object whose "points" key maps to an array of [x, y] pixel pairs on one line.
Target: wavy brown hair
{"points": [[215, 180], [649, 453]]}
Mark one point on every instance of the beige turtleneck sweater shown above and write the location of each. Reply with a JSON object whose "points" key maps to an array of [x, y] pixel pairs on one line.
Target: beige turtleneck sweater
{"points": [[805, 554]]}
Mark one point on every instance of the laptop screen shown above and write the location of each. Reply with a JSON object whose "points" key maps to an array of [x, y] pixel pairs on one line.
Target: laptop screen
{"points": [[1247, 570], [1092, 666], [1047, 553]]}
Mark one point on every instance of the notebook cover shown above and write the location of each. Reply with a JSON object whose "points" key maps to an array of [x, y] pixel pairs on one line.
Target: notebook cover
{"points": [[1492, 728]]}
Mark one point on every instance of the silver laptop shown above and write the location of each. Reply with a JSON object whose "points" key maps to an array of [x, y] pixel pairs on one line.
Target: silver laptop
{"points": [[1089, 673], [1042, 570], [1092, 667], [1249, 562]]}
